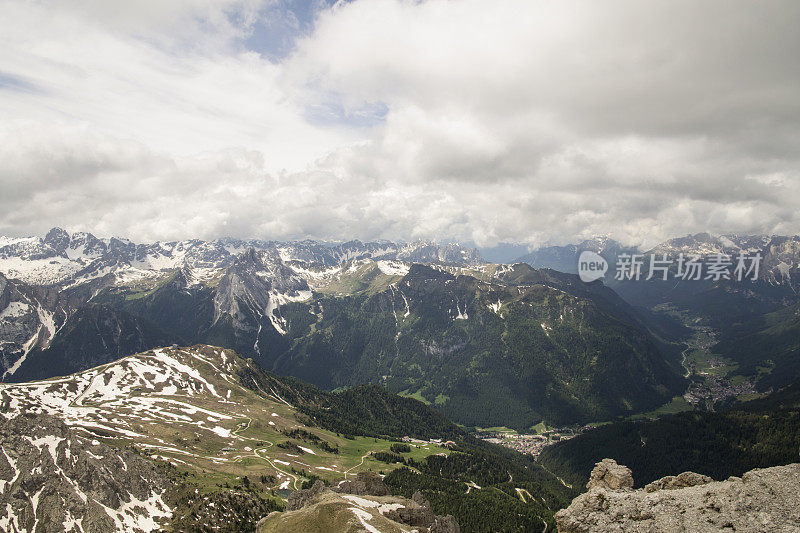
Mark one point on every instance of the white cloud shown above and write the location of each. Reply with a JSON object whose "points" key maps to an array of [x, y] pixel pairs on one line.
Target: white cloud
{"points": [[505, 120], [113, 80]]}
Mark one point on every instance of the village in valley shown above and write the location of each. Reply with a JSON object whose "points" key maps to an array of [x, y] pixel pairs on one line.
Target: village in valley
{"points": [[532, 443]]}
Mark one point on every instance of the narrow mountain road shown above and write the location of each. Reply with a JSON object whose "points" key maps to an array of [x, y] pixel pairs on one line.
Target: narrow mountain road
{"points": [[683, 360], [242, 428], [294, 477], [258, 451], [346, 472], [522, 493], [472, 485], [555, 476]]}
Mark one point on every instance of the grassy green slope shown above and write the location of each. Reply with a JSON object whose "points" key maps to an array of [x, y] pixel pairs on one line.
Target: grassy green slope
{"points": [[769, 342]]}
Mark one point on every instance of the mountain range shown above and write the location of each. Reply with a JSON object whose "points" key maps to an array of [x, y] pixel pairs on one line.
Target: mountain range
{"points": [[486, 344], [752, 322], [43, 281]]}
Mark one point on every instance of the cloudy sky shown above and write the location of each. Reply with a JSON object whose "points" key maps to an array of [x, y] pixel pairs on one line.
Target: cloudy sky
{"points": [[481, 121]]}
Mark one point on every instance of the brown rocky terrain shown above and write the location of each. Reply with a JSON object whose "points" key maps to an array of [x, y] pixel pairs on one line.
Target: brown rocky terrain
{"points": [[355, 506], [762, 500]]}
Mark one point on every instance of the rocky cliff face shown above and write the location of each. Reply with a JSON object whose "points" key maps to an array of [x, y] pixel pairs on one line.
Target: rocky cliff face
{"points": [[355, 506], [44, 281], [255, 286], [29, 319], [761, 500], [53, 478]]}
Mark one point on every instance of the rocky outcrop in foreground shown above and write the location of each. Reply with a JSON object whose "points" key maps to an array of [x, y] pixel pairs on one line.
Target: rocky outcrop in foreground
{"points": [[368, 508], [762, 500], [53, 478]]}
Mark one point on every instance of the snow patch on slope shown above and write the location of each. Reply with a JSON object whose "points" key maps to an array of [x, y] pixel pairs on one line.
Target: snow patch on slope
{"points": [[15, 309], [393, 268]]}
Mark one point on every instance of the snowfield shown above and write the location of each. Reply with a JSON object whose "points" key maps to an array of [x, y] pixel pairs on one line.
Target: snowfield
{"points": [[164, 385]]}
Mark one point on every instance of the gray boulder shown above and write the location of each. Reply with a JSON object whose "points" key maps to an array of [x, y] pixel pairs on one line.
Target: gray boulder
{"points": [[300, 498], [608, 474], [365, 484], [687, 479]]}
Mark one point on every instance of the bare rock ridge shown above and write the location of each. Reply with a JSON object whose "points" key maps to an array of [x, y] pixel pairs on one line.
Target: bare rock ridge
{"points": [[53, 478], [359, 505], [609, 475], [364, 484], [761, 500]]}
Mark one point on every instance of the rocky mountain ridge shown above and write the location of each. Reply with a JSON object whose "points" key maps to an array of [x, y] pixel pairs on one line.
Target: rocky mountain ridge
{"points": [[30, 317], [53, 478], [204, 412], [45, 281], [68, 259], [230, 441], [377, 318], [437, 331]]}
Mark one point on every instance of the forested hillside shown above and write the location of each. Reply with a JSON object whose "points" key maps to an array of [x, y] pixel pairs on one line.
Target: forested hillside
{"points": [[486, 489], [483, 353], [767, 347], [760, 433]]}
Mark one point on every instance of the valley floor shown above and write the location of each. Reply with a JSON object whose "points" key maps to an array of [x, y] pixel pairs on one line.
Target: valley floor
{"points": [[715, 379]]}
